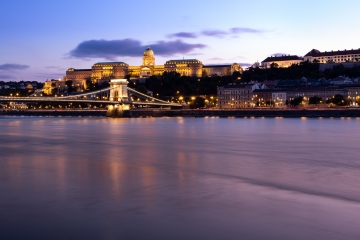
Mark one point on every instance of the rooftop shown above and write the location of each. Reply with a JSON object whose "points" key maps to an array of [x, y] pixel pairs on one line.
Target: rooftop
{"points": [[184, 60], [217, 65], [317, 53], [110, 63], [282, 58], [238, 86], [82, 70]]}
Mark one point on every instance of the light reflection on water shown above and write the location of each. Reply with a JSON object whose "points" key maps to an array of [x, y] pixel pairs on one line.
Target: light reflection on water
{"points": [[179, 178]]}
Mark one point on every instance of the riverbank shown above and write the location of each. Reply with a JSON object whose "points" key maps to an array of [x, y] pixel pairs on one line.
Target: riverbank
{"points": [[64, 113], [246, 113], [138, 113]]}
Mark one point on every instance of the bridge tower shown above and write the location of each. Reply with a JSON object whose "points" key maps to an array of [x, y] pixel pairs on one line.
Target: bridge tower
{"points": [[118, 92]]}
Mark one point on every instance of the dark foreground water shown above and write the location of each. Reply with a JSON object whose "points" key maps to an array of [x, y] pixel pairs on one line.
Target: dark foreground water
{"points": [[179, 178]]}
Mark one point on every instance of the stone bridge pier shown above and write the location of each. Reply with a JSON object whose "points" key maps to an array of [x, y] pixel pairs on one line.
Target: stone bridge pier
{"points": [[119, 93], [118, 110]]}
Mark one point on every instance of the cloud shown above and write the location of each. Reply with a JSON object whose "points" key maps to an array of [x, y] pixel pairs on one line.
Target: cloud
{"points": [[50, 75], [194, 54], [246, 64], [234, 32], [13, 66], [240, 30], [279, 54], [214, 33], [183, 35], [111, 49], [5, 77], [216, 58], [54, 67]]}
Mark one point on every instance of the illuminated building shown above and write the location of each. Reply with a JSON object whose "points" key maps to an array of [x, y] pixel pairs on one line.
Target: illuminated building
{"points": [[104, 71], [283, 61], [49, 85], [352, 55], [237, 96]]}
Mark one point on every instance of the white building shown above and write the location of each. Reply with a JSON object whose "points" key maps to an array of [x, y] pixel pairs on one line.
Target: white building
{"points": [[352, 55], [283, 61]]}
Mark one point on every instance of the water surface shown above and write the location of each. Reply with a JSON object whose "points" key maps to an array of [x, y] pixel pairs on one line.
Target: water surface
{"points": [[179, 178]]}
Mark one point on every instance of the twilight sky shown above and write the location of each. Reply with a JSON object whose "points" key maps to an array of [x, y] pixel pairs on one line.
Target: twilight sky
{"points": [[41, 39]]}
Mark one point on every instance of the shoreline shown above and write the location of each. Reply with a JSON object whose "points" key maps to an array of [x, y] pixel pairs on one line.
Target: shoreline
{"points": [[241, 113], [54, 113]]}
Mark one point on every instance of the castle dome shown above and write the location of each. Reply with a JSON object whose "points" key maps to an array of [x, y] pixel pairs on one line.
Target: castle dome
{"points": [[148, 53]]}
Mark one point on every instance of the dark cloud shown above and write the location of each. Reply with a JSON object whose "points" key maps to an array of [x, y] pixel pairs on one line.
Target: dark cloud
{"points": [[13, 66], [164, 48], [6, 77], [184, 35], [111, 49]]}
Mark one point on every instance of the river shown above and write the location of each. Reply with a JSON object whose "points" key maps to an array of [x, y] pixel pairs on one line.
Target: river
{"points": [[179, 178]]}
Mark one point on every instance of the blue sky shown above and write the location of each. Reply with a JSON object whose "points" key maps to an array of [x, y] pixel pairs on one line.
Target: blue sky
{"points": [[41, 39]]}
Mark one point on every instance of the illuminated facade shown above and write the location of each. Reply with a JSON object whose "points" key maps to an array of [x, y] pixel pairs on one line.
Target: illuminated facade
{"points": [[237, 96], [352, 55], [104, 71], [281, 61]]}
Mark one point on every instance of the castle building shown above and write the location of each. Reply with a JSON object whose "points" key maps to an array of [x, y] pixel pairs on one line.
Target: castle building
{"points": [[104, 71], [352, 55], [283, 61]]}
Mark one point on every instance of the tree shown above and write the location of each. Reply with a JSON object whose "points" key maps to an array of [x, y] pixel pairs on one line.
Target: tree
{"points": [[315, 100], [89, 84], [236, 75], [274, 65], [316, 61], [69, 84], [141, 89], [204, 73], [270, 103], [337, 100], [297, 101], [198, 103]]}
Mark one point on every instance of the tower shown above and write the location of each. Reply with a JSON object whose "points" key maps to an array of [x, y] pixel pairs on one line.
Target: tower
{"points": [[148, 58]]}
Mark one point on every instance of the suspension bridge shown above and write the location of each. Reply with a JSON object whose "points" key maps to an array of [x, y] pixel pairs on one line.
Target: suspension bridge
{"points": [[118, 97]]}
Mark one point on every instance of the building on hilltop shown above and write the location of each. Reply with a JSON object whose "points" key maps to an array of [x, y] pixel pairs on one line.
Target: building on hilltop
{"points": [[283, 61], [185, 67], [352, 55], [104, 71]]}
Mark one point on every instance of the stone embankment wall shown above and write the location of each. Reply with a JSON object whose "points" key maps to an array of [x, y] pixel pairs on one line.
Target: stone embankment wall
{"points": [[245, 113], [65, 113], [136, 113]]}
